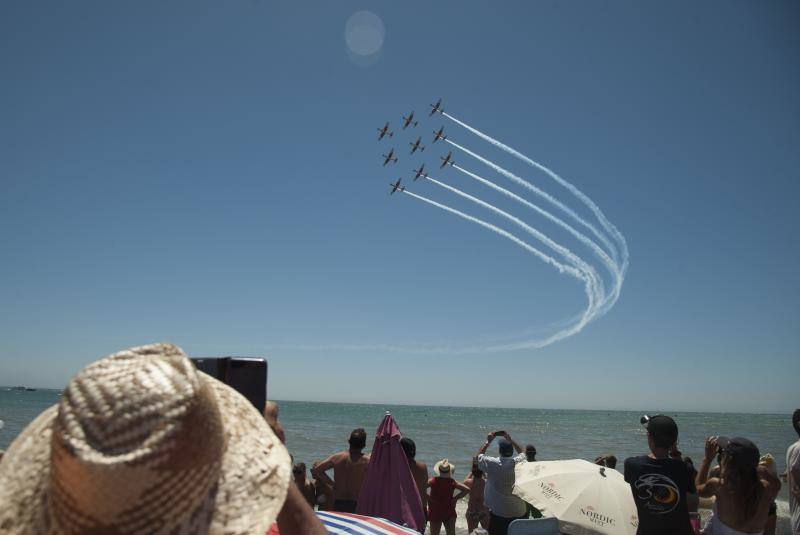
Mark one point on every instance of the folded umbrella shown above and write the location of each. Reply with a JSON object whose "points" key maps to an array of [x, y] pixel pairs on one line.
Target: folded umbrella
{"points": [[389, 490]]}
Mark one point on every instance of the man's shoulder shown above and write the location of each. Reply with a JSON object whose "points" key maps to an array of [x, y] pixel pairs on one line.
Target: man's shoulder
{"points": [[637, 460]]}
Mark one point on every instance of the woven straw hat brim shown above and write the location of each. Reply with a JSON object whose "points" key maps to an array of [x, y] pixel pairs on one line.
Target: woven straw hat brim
{"points": [[251, 489]]}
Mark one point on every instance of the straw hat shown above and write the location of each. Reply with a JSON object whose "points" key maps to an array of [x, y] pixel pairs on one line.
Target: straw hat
{"points": [[142, 442], [444, 469]]}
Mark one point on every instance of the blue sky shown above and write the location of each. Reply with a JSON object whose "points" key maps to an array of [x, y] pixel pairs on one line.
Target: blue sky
{"points": [[207, 173]]}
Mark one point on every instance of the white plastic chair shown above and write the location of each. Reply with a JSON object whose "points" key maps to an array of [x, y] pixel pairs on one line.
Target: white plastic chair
{"points": [[534, 526]]}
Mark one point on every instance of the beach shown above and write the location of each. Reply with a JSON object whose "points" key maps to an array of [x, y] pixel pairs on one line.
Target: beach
{"points": [[315, 430]]}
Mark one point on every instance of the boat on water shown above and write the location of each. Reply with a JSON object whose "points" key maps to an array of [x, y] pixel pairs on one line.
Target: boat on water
{"points": [[23, 389]]}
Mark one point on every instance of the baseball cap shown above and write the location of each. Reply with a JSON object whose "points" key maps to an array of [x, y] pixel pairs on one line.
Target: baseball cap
{"points": [[505, 447], [661, 426]]}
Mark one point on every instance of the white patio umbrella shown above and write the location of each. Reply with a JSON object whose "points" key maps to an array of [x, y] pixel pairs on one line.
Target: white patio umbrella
{"points": [[586, 498]]}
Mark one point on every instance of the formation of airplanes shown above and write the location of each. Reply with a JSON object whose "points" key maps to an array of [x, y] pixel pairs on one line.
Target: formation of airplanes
{"points": [[415, 146]]}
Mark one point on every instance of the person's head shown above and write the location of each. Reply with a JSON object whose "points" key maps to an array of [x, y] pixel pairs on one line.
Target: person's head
{"points": [[271, 410], [740, 458], [358, 439], [796, 421], [476, 471], [299, 473], [609, 461], [530, 452], [136, 425], [662, 432], [444, 469], [409, 447], [505, 448]]}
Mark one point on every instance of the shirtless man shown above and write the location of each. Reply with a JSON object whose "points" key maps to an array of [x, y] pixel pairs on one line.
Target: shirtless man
{"points": [[349, 469], [418, 469]]}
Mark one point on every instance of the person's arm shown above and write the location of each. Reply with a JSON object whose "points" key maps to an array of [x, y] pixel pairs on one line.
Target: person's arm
{"points": [[463, 488], [707, 487], [770, 481], [485, 446], [514, 443], [297, 516], [320, 470]]}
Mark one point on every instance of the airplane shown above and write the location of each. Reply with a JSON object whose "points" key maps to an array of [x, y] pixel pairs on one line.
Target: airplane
{"points": [[408, 120], [436, 107], [389, 157], [395, 186], [446, 160], [439, 135], [383, 131], [420, 172], [417, 145]]}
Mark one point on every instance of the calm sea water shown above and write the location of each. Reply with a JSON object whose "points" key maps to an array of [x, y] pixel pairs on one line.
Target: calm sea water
{"points": [[315, 430]]}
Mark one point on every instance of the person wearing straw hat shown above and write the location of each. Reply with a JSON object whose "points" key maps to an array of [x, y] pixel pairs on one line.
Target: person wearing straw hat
{"points": [[441, 502], [141, 442]]}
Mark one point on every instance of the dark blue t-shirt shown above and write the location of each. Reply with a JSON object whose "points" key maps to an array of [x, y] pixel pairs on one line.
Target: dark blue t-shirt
{"points": [[659, 489]]}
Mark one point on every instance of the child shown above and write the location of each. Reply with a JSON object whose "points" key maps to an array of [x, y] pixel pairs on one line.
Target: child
{"points": [[477, 512]]}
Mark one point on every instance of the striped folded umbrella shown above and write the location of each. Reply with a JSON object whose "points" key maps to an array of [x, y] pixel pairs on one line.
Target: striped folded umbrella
{"points": [[361, 525]]}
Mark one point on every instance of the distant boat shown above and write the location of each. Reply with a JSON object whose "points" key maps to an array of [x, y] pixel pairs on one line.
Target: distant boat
{"points": [[29, 389], [23, 389]]}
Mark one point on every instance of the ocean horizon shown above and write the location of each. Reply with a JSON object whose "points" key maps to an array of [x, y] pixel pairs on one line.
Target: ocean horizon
{"points": [[315, 430]]}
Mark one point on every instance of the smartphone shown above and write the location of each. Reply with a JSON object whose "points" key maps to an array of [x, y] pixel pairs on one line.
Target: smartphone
{"points": [[246, 375]]}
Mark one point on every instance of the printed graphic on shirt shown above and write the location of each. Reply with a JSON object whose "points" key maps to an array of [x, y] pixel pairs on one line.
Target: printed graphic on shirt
{"points": [[657, 493]]}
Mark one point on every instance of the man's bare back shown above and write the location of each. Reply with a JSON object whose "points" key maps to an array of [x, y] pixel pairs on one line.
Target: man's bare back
{"points": [[349, 470], [420, 472]]}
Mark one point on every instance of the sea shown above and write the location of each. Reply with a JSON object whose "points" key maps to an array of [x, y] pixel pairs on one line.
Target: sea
{"points": [[315, 430]]}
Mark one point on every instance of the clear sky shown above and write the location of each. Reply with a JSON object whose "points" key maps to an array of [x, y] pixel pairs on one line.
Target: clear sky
{"points": [[208, 173]]}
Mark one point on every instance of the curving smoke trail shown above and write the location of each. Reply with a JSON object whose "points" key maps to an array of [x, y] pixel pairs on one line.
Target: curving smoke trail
{"points": [[612, 266], [549, 198], [587, 270], [607, 225], [576, 327]]}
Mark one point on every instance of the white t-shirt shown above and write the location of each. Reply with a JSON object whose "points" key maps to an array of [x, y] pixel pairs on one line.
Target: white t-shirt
{"points": [[793, 463], [499, 484]]}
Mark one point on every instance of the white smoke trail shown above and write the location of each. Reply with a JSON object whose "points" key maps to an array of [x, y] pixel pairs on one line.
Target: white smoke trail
{"points": [[607, 225], [527, 344], [549, 198], [612, 266], [598, 290], [494, 228]]}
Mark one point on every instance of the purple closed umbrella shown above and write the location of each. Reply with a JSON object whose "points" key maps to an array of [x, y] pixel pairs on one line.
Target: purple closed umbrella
{"points": [[389, 490]]}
